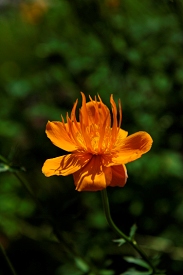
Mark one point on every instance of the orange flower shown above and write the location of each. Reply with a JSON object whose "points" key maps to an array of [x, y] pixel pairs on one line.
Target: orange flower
{"points": [[98, 150]]}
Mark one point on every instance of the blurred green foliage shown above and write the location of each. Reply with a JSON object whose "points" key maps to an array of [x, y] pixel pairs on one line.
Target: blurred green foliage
{"points": [[49, 52]]}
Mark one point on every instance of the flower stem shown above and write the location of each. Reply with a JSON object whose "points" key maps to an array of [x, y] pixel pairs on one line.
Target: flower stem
{"points": [[132, 242], [7, 261]]}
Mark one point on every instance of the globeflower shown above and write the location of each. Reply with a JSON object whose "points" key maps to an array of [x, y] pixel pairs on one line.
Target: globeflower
{"points": [[98, 148]]}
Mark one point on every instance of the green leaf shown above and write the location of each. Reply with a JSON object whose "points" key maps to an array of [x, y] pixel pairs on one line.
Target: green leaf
{"points": [[136, 261], [3, 159], [69, 270], [133, 230], [106, 272], [4, 167], [81, 265], [133, 271], [17, 168], [120, 241]]}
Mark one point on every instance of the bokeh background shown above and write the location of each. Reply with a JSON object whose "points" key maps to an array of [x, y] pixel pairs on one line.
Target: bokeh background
{"points": [[49, 52]]}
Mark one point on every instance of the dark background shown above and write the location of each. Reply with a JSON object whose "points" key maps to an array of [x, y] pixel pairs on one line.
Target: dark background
{"points": [[49, 52]]}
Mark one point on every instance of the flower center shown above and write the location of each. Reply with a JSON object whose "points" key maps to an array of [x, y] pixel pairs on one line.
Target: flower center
{"points": [[100, 138]]}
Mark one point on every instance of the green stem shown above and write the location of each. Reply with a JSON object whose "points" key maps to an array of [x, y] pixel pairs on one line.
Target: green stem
{"points": [[7, 261], [132, 242]]}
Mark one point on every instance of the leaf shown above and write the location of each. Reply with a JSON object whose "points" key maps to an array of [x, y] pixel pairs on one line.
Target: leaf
{"points": [[17, 168], [4, 167], [81, 265], [3, 159], [133, 230], [69, 270], [106, 272], [133, 271], [136, 261], [120, 241]]}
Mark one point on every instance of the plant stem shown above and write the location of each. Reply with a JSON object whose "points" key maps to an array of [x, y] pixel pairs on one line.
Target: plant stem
{"points": [[132, 242], [7, 261]]}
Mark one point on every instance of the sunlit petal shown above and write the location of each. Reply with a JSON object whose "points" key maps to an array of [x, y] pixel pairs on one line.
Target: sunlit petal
{"points": [[132, 148], [98, 112], [83, 111], [58, 134], [65, 165], [93, 176], [119, 175], [121, 134], [114, 112], [94, 112]]}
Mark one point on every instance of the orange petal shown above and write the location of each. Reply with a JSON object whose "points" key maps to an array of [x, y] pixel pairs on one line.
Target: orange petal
{"points": [[132, 148], [114, 112], [65, 165], [83, 111], [119, 175], [122, 134], [94, 112], [93, 176], [57, 132], [98, 112], [120, 113]]}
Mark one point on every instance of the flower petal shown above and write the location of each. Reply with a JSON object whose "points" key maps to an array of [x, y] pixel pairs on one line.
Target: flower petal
{"points": [[57, 132], [119, 175], [65, 165], [114, 112], [94, 112], [93, 176], [132, 148], [121, 134]]}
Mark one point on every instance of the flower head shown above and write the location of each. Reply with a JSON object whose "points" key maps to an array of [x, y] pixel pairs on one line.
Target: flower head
{"points": [[99, 148]]}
